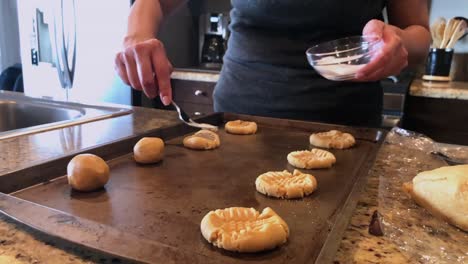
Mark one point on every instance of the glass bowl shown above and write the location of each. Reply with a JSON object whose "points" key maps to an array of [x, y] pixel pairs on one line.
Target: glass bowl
{"points": [[339, 60]]}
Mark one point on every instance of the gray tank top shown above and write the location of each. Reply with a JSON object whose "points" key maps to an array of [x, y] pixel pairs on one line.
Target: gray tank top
{"points": [[265, 70]]}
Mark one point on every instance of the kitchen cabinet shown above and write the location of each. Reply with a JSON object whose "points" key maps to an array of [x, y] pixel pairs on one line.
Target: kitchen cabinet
{"points": [[438, 110], [394, 90], [194, 97], [443, 120]]}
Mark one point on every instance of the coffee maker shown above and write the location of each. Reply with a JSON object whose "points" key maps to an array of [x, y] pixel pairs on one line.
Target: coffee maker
{"points": [[213, 38]]}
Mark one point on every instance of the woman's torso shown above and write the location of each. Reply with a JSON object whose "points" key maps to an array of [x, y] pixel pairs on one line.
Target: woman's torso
{"points": [[265, 70]]}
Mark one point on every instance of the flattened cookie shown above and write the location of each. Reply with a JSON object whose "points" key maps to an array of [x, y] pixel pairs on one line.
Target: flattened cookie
{"points": [[313, 159], [283, 184], [332, 139], [203, 139], [244, 229], [240, 127]]}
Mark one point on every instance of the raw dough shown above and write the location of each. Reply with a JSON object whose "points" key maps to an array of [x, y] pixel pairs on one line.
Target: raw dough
{"points": [[244, 229], [283, 184], [444, 193], [332, 139], [313, 159], [240, 127], [203, 139], [87, 172], [10, 259], [148, 150]]}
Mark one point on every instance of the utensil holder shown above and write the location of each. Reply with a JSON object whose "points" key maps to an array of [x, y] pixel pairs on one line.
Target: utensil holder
{"points": [[438, 65]]}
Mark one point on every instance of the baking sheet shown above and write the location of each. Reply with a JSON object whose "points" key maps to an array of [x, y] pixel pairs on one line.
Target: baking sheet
{"points": [[165, 202], [421, 236]]}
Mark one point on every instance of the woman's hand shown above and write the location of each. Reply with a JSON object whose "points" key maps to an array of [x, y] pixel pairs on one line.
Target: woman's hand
{"points": [[392, 56], [143, 64]]}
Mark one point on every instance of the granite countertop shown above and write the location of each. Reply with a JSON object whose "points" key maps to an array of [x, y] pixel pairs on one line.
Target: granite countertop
{"points": [[21, 244], [33, 149], [410, 233], [358, 246], [446, 90]]}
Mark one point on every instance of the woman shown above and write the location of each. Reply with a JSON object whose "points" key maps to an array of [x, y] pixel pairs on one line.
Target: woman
{"points": [[265, 71]]}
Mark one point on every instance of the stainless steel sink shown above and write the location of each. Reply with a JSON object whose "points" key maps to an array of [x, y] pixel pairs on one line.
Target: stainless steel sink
{"points": [[22, 115]]}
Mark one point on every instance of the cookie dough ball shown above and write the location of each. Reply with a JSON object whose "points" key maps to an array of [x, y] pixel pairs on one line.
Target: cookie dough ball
{"points": [[87, 172], [202, 140], [240, 127], [148, 150], [332, 139], [244, 229]]}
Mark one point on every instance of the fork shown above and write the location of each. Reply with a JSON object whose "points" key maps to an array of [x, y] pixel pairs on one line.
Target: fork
{"points": [[188, 121]]}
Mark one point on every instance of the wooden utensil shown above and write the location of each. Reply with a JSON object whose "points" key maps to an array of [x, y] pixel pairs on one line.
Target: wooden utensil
{"points": [[433, 35], [466, 21], [457, 33], [437, 30], [447, 33], [440, 32]]}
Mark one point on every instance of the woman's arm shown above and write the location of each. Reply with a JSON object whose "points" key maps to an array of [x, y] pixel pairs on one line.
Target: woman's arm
{"points": [[412, 17], [405, 40], [146, 16], [143, 63]]}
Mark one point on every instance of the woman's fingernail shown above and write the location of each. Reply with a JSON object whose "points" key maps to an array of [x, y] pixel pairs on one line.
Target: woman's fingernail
{"points": [[165, 100]]}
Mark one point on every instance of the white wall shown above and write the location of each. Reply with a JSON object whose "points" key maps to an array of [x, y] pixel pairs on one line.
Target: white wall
{"points": [[449, 9], [9, 40]]}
